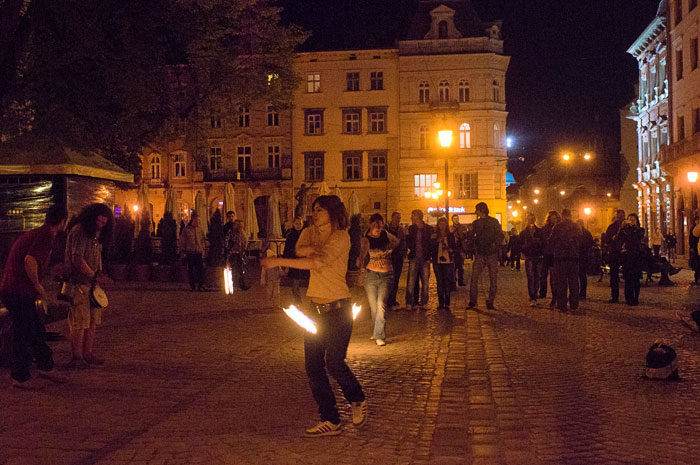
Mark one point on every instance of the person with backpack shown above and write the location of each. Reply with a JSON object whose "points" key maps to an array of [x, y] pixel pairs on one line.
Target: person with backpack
{"points": [[566, 243]]}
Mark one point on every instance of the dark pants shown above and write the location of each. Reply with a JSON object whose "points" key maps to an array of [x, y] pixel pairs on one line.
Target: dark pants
{"points": [[632, 272], [324, 354], [459, 268], [657, 249], [445, 278], [28, 337], [582, 277], [533, 269], [544, 272], [514, 260], [615, 280], [566, 279], [195, 270], [397, 263]]}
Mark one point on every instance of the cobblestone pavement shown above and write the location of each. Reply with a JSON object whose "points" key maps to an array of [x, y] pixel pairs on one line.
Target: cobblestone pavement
{"points": [[202, 378]]}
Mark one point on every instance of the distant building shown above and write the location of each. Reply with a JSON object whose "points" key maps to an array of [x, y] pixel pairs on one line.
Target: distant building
{"points": [[629, 151]]}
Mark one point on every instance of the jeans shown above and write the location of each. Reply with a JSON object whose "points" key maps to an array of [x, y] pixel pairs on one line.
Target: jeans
{"points": [[566, 279], [545, 269], [28, 337], [481, 262], [459, 267], [533, 270], [514, 261], [324, 354], [377, 286], [415, 267], [397, 263], [445, 279], [195, 270], [615, 280], [583, 277]]}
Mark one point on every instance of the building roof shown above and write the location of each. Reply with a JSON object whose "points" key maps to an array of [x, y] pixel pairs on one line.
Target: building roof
{"points": [[466, 19], [41, 158]]}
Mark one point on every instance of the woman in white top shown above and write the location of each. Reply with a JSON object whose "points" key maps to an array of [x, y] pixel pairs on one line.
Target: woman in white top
{"points": [[323, 249]]}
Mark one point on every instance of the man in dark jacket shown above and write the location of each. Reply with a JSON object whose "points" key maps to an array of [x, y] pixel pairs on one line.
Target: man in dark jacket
{"points": [[420, 246], [397, 257], [612, 254], [298, 277], [514, 249], [487, 238], [584, 258], [531, 244], [566, 243]]}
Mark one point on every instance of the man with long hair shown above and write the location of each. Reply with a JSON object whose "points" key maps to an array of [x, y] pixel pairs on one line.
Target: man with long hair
{"points": [[90, 234]]}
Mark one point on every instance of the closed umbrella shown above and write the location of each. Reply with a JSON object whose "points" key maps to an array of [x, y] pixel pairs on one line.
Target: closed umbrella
{"points": [[170, 201], [250, 218], [142, 200], [229, 199], [201, 211], [353, 204], [323, 189], [336, 191], [274, 223]]}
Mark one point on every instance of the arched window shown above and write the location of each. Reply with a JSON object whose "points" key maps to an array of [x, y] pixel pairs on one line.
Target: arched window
{"points": [[496, 92], [497, 142], [444, 91], [463, 91], [424, 92], [465, 136], [424, 139], [442, 30], [155, 167]]}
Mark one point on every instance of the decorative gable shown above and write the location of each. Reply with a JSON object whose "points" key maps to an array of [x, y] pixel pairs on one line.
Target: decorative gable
{"points": [[442, 25]]}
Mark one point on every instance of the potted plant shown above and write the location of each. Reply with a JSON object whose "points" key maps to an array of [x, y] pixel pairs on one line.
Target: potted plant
{"points": [[143, 250]]}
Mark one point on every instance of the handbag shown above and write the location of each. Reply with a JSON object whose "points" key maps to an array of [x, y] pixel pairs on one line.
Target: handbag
{"points": [[98, 297], [66, 291]]}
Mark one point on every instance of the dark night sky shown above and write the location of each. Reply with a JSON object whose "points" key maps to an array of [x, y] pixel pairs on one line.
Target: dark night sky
{"points": [[569, 74]]}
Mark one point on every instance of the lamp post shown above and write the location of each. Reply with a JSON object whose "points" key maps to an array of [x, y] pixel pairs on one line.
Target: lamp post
{"points": [[445, 136]]}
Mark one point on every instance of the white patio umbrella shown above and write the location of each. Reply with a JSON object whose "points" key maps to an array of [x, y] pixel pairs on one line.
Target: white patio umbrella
{"points": [[336, 191], [201, 211], [353, 205], [142, 201], [250, 218], [323, 189], [229, 199], [274, 223], [170, 202]]}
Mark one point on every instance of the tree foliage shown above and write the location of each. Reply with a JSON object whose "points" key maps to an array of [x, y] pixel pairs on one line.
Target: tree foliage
{"points": [[113, 75]]}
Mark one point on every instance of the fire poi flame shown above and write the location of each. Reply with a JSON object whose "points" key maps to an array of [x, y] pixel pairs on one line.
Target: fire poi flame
{"points": [[228, 281], [356, 309], [299, 318]]}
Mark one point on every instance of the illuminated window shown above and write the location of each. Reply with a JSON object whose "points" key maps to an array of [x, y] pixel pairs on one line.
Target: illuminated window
{"points": [[467, 185], [444, 91], [463, 91], [313, 83], [423, 183], [465, 136], [424, 137], [424, 92], [155, 167]]}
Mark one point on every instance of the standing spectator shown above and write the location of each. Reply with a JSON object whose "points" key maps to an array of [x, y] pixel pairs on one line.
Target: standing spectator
{"points": [[531, 244], [514, 249], [503, 249], [443, 262], [83, 257], [656, 240], [459, 231], [20, 286], [420, 246], [631, 239], [378, 244], [397, 256], [612, 254], [192, 245], [324, 249], [670, 239], [297, 276], [468, 242], [566, 243], [487, 237], [693, 259], [584, 258], [552, 219], [230, 217], [235, 246]]}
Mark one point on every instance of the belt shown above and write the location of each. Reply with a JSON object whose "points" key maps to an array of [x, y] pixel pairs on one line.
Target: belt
{"points": [[330, 306]]}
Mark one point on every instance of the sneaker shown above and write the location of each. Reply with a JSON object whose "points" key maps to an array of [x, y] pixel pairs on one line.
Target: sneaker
{"points": [[471, 305], [380, 342], [533, 303], [359, 413], [53, 376], [324, 428], [78, 363], [32, 384], [93, 359], [489, 306]]}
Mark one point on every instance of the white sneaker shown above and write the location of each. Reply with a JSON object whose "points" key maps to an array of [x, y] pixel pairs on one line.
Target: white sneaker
{"points": [[324, 428], [380, 342], [359, 413]]}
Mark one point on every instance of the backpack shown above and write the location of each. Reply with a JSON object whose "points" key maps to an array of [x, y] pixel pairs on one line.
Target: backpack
{"points": [[661, 362]]}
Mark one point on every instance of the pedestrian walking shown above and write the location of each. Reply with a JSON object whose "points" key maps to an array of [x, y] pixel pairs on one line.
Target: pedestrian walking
{"points": [[566, 243], [656, 240], [552, 219], [192, 245], [420, 246], [532, 247], [459, 231], [671, 241], [631, 240], [324, 249], [584, 258], [514, 249], [397, 257], [693, 259], [83, 258], [612, 254], [488, 235], [298, 277], [379, 274], [21, 287], [443, 262]]}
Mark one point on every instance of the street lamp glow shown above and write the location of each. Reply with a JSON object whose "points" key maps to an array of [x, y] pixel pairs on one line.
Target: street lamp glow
{"points": [[536, 191], [439, 193], [136, 208], [562, 192], [587, 156], [435, 195], [692, 176], [427, 194], [609, 194], [566, 157], [524, 207], [445, 137], [515, 213], [517, 201], [587, 211], [536, 201], [509, 142], [436, 185]]}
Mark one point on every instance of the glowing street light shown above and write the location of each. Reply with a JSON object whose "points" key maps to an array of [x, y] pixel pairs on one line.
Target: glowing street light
{"points": [[136, 208], [566, 157], [536, 191], [517, 201], [609, 194], [587, 210], [587, 156], [515, 213], [428, 194], [692, 176], [562, 193], [445, 137], [524, 207], [509, 142], [536, 201]]}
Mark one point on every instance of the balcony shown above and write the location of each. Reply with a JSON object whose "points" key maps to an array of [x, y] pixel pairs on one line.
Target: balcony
{"points": [[687, 147], [267, 174]]}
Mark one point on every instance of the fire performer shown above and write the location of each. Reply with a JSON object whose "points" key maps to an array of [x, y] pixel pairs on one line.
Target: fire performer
{"points": [[323, 249]]}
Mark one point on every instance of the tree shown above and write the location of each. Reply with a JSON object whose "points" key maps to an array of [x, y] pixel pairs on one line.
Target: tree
{"points": [[111, 76]]}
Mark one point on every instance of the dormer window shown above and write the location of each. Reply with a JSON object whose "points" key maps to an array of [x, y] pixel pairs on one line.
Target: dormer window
{"points": [[442, 24], [442, 30]]}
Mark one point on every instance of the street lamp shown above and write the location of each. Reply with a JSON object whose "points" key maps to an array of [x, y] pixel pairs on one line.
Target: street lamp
{"points": [[445, 136], [536, 201], [692, 176], [587, 211], [587, 156], [566, 157], [562, 193], [537, 192]]}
